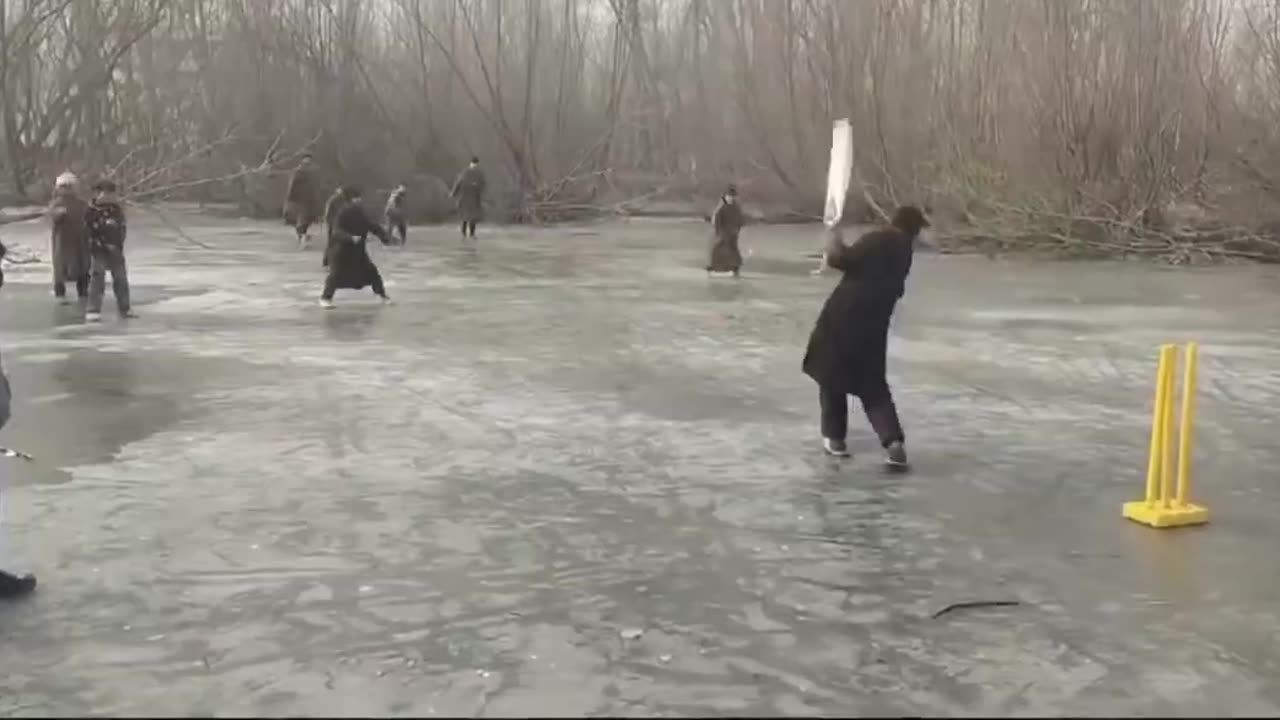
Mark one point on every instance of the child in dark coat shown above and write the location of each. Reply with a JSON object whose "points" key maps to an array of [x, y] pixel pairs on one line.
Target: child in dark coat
{"points": [[107, 231]]}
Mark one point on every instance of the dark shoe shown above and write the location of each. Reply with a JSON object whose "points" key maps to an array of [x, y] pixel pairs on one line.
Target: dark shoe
{"points": [[835, 447], [128, 314], [896, 457], [15, 586]]}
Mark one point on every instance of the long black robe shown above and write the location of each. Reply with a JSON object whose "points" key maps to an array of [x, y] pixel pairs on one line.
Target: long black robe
{"points": [[331, 207], [847, 348], [726, 223], [346, 254], [468, 191]]}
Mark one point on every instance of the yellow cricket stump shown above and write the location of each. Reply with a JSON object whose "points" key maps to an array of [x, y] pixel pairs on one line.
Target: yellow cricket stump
{"points": [[1166, 505]]}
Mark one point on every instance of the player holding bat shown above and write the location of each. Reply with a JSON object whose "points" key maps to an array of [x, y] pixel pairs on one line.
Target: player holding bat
{"points": [[849, 343]]}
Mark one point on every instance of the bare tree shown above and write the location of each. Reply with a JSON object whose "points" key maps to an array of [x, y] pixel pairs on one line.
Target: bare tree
{"points": [[1148, 126]]}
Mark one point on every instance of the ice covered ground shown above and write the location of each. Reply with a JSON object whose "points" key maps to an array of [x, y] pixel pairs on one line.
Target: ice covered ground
{"points": [[567, 474]]}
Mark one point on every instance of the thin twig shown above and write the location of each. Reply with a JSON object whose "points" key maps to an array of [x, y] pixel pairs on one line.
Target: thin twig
{"points": [[975, 604]]}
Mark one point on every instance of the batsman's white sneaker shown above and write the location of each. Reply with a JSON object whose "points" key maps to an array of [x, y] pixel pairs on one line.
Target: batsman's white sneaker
{"points": [[835, 448], [895, 457], [326, 304]]}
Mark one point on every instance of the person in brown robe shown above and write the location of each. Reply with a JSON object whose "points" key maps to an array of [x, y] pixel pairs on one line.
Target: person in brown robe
{"points": [[726, 223], [69, 238], [301, 207], [849, 343], [468, 191]]}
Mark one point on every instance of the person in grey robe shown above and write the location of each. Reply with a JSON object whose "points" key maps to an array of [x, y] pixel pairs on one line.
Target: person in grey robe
{"points": [[468, 192], [394, 215], [69, 238]]}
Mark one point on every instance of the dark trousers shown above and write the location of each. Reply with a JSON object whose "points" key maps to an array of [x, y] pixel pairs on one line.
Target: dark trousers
{"points": [[468, 228], [112, 261], [877, 403], [398, 229], [82, 287], [331, 283]]}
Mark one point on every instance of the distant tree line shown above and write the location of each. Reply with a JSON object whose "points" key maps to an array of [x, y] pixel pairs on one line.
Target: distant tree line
{"points": [[1147, 127]]}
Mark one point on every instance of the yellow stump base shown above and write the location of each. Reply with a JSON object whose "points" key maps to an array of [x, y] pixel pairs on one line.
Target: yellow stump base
{"points": [[1158, 516]]}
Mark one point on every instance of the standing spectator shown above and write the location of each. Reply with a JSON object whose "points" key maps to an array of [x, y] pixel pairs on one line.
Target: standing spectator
{"points": [[70, 238], [468, 191], [301, 206], [107, 232]]}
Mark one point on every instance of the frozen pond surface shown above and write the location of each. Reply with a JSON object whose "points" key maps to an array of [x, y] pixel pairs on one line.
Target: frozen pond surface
{"points": [[566, 474]]}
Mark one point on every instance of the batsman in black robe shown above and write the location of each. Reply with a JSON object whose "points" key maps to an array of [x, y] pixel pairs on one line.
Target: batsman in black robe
{"points": [[849, 343], [346, 255]]}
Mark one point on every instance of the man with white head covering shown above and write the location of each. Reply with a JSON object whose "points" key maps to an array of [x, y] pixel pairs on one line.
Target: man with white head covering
{"points": [[69, 238]]}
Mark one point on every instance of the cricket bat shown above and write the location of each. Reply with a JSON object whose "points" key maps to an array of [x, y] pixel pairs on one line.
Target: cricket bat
{"points": [[840, 172]]}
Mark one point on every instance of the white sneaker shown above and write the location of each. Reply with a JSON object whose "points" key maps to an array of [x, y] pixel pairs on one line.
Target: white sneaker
{"points": [[836, 448], [92, 316], [896, 457], [326, 304]]}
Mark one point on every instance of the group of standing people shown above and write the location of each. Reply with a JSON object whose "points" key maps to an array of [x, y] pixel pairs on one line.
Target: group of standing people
{"points": [[88, 239], [348, 225]]}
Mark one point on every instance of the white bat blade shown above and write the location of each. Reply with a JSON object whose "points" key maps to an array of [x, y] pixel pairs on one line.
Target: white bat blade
{"points": [[840, 172]]}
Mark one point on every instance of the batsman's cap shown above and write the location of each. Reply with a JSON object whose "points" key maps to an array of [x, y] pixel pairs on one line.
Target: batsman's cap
{"points": [[66, 179], [910, 218], [731, 190]]}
